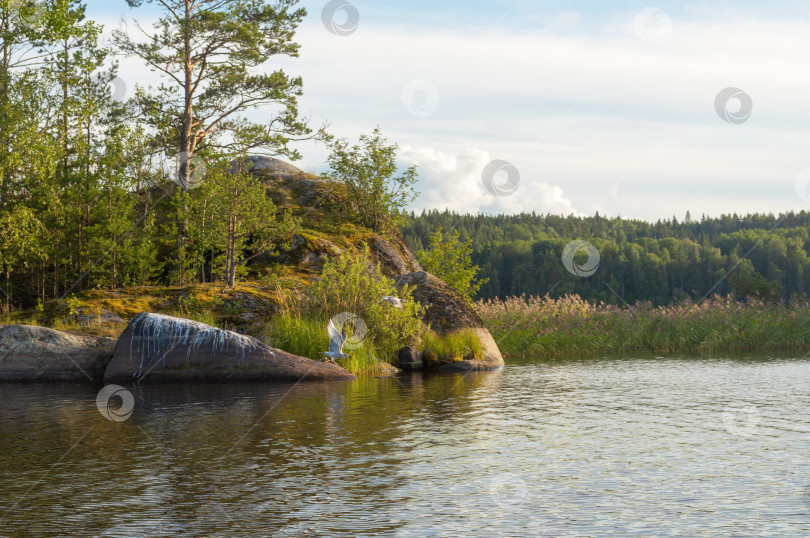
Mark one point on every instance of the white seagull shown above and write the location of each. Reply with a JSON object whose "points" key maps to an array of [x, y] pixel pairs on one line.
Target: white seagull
{"points": [[395, 301], [336, 341]]}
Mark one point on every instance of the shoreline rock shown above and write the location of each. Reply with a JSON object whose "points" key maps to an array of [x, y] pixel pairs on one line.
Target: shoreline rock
{"points": [[159, 347], [31, 353], [492, 359], [447, 312]]}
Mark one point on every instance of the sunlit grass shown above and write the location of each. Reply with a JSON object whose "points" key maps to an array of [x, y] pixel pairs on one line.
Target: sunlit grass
{"points": [[524, 326], [455, 346], [307, 337]]}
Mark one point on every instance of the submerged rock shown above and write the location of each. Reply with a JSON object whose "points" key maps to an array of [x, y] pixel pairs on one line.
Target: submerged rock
{"points": [[29, 353], [448, 312], [410, 359], [159, 347]]}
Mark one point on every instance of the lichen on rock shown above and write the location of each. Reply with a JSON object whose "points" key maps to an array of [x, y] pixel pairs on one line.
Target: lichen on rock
{"points": [[157, 346]]}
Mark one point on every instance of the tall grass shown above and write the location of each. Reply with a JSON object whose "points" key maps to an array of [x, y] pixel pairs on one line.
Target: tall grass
{"points": [[525, 326], [456, 346], [347, 286], [307, 337]]}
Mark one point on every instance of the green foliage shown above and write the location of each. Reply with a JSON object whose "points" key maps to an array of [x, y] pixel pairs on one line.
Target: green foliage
{"points": [[746, 282], [369, 170], [455, 346], [350, 284], [210, 53], [448, 258], [230, 212], [307, 337], [20, 243]]}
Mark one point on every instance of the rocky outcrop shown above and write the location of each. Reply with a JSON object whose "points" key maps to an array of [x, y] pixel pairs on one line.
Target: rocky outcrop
{"points": [[30, 353], [393, 256], [158, 347], [260, 165], [306, 248], [447, 312], [306, 190]]}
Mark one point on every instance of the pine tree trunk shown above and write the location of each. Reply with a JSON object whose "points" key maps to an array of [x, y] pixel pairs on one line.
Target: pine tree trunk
{"points": [[187, 146]]}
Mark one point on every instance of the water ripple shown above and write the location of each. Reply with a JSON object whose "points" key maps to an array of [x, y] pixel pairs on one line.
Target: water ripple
{"points": [[697, 447]]}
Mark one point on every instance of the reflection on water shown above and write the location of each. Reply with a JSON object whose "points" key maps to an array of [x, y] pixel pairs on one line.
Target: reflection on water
{"points": [[578, 447]]}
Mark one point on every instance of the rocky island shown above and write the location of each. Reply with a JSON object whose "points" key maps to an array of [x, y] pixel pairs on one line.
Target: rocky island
{"points": [[152, 342]]}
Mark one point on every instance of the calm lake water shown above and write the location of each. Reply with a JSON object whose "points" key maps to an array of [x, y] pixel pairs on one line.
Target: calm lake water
{"points": [[588, 447]]}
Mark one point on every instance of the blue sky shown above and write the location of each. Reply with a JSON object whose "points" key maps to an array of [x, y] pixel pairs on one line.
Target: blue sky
{"points": [[600, 106]]}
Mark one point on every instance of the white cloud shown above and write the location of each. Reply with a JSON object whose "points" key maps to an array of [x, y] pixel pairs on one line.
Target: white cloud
{"points": [[585, 112], [579, 107], [454, 183]]}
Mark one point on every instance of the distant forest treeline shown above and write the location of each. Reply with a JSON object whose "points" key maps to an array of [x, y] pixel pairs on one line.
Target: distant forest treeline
{"points": [[763, 256]]}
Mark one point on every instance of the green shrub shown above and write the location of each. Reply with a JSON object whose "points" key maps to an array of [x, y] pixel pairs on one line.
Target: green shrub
{"points": [[348, 285], [450, 259]]}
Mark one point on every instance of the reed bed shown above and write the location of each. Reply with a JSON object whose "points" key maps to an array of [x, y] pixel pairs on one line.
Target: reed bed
{"points": [[525, 326]]}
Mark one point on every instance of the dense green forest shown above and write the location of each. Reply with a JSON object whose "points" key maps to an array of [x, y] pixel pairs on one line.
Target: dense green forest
{"points": [[101, 181], [764, 256]]}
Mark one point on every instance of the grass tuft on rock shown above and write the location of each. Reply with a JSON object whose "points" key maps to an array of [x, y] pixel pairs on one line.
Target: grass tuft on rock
{"points": [[456, 346]]}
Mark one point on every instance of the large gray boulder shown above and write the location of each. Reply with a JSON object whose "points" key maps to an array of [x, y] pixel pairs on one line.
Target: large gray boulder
{"points": [[305, 189], [268, 166], [29, 353], [491, 360], [159, 347], [394, 257], [446, 311]]}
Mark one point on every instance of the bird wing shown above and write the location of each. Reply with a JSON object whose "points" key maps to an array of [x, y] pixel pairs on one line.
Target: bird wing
{"points": [[336, 338]]}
